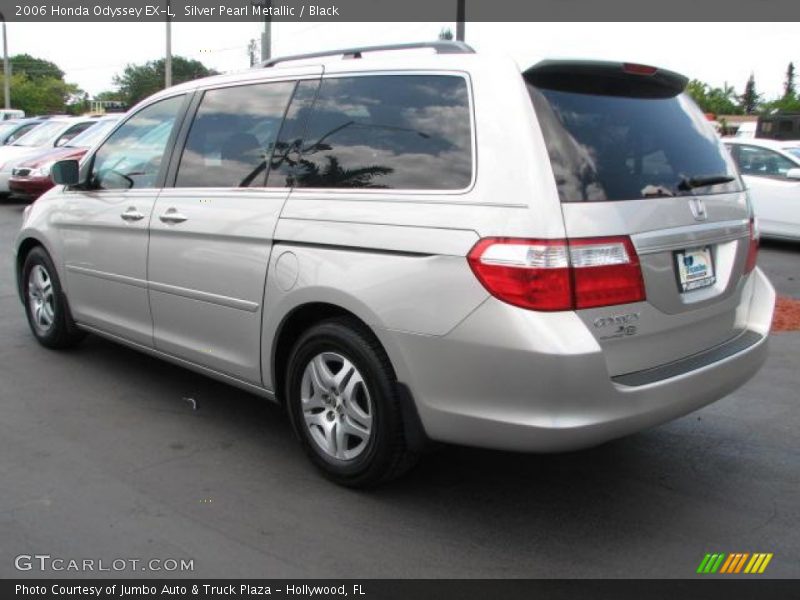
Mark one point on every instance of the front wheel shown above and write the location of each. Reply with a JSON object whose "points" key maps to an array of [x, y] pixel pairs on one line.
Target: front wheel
{"points": [[344, 405], [45, 305]]}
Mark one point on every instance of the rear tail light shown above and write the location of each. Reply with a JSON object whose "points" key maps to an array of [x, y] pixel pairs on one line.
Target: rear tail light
{"points": [[752, 248], [552, 275]]}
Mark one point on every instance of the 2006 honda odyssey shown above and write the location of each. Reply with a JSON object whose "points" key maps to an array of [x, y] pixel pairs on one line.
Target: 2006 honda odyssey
{"points": [[416, 245]]}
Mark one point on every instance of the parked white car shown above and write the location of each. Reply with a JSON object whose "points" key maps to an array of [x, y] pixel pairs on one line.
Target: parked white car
{"points": [[771, 171], [746, 131], [50, 134]]}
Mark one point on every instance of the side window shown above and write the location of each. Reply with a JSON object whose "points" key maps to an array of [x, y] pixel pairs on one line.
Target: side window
{"points": [[132, 156], [20, 132], [72, 132], [233, 136], [388, 131], [284, 161], [761, 161]]}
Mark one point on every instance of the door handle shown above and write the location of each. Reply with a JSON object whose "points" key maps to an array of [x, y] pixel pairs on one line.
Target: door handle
{"points": [[131, 214], [172, 216]]}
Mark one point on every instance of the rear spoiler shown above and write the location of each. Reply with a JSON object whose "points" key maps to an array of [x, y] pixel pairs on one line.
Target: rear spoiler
{"points": [[606, 78]]}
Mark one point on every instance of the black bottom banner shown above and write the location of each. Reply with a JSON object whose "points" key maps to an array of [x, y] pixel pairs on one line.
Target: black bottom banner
{"points": [[380, 589]]}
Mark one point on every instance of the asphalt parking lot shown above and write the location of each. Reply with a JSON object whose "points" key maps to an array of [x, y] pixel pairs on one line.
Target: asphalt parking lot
{"points": [[101, 457]]}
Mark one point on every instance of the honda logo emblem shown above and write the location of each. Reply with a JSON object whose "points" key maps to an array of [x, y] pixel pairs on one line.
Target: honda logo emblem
{"points": [[698, 208]]}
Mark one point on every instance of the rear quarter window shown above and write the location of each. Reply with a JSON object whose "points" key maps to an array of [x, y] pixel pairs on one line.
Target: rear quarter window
{"points": [[390, 132]]}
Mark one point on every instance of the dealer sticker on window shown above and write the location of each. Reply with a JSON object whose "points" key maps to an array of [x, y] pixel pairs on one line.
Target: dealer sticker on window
{"points": [[695, 268]]}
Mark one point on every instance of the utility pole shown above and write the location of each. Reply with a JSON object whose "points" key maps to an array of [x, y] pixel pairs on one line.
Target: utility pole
{"points": [[168, 62], [266, 37], [251, 52], [460, 18], [6, 68]]}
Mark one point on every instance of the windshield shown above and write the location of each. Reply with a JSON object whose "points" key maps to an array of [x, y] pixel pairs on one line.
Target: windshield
{"points": [[795, 151], [41, 135], [91, 136], [626, 147]]}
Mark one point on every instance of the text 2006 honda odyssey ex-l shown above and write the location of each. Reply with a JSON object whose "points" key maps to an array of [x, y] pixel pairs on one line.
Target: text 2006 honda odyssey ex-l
{"points": [[416, 245]]}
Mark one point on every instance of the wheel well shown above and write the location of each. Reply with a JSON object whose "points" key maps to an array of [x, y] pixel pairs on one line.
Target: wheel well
{"points": [[24, 249], [293, 326]]}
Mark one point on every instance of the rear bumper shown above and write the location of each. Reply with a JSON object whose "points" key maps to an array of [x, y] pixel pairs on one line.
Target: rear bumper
{"points": [[511, 379]]}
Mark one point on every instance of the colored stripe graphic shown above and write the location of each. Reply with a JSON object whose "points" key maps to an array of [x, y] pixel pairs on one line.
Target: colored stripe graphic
{"points": [[765, 563], [753, 562], [717, 563], [720, 562], [703, 563], [740, 564], [727, 564]]}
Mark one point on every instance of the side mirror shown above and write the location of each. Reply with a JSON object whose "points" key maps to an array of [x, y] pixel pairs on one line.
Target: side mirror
{"points": [[793, 173], [65, 172]]}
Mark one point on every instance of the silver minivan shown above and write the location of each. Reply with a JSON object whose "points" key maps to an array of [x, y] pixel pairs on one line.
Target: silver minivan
{"points": [[416, 244]]}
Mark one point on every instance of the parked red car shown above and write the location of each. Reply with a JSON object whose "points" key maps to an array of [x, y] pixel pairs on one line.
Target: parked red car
{"points": [[31, 178]]}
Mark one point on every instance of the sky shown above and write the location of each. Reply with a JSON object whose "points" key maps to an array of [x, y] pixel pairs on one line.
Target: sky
{"points": [[717, 53]]}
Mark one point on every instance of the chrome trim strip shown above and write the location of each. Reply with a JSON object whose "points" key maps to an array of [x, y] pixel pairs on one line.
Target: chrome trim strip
{"points": [[677, 238], [175, 290], [140, 283], [218, 299]]}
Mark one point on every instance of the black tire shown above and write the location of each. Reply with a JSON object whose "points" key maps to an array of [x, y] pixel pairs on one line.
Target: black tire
{"points": [[62, 333], [386, 455]]}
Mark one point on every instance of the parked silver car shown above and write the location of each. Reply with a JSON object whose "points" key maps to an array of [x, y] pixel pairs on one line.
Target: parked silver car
{"points": [[416, 246]]}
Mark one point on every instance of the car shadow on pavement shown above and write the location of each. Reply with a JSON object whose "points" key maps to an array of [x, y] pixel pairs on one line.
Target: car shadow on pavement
{"points": [[625, 475]]}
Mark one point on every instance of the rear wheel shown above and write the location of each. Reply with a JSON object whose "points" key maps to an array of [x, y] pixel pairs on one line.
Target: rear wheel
{"points": [[45, 304], [344, 406]]}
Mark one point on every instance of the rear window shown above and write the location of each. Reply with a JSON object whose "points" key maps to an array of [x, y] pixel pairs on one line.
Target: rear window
{"points": [[625, 147]]}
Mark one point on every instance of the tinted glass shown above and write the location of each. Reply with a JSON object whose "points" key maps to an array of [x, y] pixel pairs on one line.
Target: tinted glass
{"points": [[12, 131], [753, 160], [132, 156], [233, 135], [73, 132], [94, 134], [285, 157], [618, 147], [42, 135], [388, 131], [6, 129]]}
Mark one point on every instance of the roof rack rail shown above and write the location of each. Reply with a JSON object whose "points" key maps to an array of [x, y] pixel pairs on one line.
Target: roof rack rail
{"points": [[441, 47]]}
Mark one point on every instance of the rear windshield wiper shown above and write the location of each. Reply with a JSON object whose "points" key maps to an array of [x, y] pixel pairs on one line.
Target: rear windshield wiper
{"points": [[687, 184]]}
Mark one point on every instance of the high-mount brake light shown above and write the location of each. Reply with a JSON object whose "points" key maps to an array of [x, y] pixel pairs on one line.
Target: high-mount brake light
{"points": [[554, 275], [634, 69]]}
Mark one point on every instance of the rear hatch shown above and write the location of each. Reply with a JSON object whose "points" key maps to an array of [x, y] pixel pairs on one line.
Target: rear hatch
{"points": [[634, 157]]}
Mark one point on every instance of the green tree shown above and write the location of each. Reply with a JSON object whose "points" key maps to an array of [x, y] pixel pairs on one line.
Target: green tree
{"points": [[446, 34], [790, 101], [34, 68], [44, 95], [113, 95], [789, 91], [751, 99], [139, 81], [720, 101]]}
